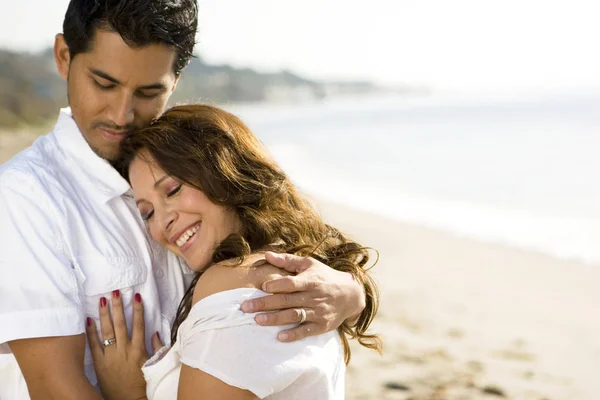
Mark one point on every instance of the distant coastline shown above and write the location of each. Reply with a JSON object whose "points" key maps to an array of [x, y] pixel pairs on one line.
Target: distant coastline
{"points": [[31, 91]]}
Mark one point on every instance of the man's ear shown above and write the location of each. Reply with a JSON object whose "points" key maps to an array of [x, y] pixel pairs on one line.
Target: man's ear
{"points": [[62, 57], [175, 83]]}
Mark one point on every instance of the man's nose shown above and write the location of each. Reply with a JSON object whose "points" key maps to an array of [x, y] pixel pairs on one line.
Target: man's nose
{"points": [[123, 113]]}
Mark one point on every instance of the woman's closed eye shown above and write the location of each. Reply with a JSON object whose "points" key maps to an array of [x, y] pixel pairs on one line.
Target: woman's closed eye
{"points": [[146, 215], [174, 190]]}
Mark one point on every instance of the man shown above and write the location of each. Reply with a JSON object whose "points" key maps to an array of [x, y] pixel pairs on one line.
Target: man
{"points": [[70, 234]]}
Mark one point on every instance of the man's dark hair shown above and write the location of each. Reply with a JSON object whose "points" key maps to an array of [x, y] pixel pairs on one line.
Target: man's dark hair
{"points": [[139, 22]]}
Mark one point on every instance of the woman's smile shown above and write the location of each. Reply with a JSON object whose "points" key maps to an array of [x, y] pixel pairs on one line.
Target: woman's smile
{"points": [[185, 240]]}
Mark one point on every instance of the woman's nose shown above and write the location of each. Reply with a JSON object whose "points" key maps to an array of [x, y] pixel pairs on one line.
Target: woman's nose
{"points": [[169, 220]]}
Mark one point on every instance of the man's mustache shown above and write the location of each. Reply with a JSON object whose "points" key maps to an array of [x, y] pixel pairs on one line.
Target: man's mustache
{"points": [[114, 127]]}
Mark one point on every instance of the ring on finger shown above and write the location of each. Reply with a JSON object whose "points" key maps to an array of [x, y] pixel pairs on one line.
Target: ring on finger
{"points": [[108, 342], [302, 315]]}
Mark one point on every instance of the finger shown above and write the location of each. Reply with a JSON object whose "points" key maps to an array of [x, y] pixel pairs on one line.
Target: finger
{"points": [[118, 317], [156, 342], [287, 284], [138, 330], [106, 326], [93, 340], [289, 262], [276, 302], [302, 331], [266, 272], [285, 317]]}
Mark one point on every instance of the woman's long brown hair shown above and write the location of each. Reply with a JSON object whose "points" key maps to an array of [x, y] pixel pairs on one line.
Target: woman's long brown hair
{"points": [[214, 151]]}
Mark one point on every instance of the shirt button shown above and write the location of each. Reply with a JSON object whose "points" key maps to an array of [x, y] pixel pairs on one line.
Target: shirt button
{"points": [[160, 274]]}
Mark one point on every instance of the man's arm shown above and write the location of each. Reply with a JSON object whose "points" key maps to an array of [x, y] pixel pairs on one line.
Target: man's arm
{"points": [[328, 297], [41, 315], [53, 368]]}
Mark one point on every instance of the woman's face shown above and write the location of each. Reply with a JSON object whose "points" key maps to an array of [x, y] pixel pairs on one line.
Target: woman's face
{"points": [[179, 217]]}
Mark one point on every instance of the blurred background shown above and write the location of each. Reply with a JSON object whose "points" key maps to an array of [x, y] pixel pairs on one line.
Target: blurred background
{"points": [[458, 138]]}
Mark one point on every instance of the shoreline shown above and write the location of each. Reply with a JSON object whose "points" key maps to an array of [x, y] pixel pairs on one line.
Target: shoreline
{"points": [[481, 236], [462, 319]]}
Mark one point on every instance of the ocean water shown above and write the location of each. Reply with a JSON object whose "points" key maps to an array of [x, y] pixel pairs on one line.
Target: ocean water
{"points": [[522, 171]]}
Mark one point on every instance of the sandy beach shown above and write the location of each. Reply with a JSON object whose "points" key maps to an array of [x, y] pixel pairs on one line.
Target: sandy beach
{"points": [[11, 142], [468, 320]]}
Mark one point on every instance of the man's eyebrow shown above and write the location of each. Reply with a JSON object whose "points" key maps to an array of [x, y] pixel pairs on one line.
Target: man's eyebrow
{"points": [[104, 75], [158, 182]]}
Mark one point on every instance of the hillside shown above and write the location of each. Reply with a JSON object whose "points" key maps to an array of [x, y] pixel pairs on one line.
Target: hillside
{"points": [[31, 91]]}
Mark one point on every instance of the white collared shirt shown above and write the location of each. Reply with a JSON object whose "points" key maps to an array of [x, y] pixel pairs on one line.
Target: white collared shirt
{"points": [[70, 233]]}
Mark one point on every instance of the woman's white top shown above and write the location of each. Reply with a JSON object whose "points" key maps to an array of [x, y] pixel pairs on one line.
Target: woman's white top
{"points": [[221, 340]]}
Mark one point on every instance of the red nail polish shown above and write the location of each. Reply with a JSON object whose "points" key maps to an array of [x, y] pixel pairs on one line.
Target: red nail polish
{"points": [[138, 297], [102, 301], [89, 321], [116, 294]]}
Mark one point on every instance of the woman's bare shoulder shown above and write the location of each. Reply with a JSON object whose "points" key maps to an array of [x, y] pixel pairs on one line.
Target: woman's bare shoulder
{"points": [[228, 275]]}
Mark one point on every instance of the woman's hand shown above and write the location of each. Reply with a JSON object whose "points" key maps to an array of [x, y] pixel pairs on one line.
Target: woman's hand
{"points": [[328, 297], [117, 357]]}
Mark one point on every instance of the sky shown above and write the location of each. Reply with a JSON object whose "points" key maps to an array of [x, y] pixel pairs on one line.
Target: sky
{"points": [[461, 45]]}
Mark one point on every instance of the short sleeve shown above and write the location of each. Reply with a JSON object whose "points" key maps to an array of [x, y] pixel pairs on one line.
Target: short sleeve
{"points": [[39, 294], [246, 356]]}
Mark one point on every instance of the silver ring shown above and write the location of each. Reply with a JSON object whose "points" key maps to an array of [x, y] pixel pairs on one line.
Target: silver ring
{"points": [[302, 316], [109, 342]]}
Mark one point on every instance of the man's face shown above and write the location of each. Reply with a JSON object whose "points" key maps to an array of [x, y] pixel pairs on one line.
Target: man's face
{"points": [[114, 88]]}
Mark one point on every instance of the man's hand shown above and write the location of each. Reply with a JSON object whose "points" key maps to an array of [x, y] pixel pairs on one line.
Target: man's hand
{"points": [[328, 297]]}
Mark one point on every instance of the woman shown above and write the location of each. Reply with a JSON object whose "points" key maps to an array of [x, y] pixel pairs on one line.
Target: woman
{"points": [[210, 193]]}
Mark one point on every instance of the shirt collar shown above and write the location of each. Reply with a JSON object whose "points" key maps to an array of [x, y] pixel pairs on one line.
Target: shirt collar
{"points": [[102, 176]]}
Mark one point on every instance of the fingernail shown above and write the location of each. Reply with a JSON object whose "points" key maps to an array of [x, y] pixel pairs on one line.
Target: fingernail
{"points": [[265, 287], [284, 336], [89, 321], [102, 301], [116, 294], [138, 298], [248, 306], [261, 319], [158, 335]]}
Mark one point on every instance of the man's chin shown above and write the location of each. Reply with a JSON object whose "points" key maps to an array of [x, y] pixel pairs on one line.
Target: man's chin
{"points": [[110, 154]]}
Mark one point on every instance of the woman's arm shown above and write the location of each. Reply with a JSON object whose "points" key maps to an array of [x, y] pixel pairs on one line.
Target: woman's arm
{"points": [[195, 384]]}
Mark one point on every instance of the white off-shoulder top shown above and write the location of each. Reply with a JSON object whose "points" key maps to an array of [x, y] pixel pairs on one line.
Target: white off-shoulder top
{"points": [[221, 340]]}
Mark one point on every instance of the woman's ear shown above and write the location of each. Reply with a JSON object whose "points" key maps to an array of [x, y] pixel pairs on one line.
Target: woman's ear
{"points": [[62, 56]]}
